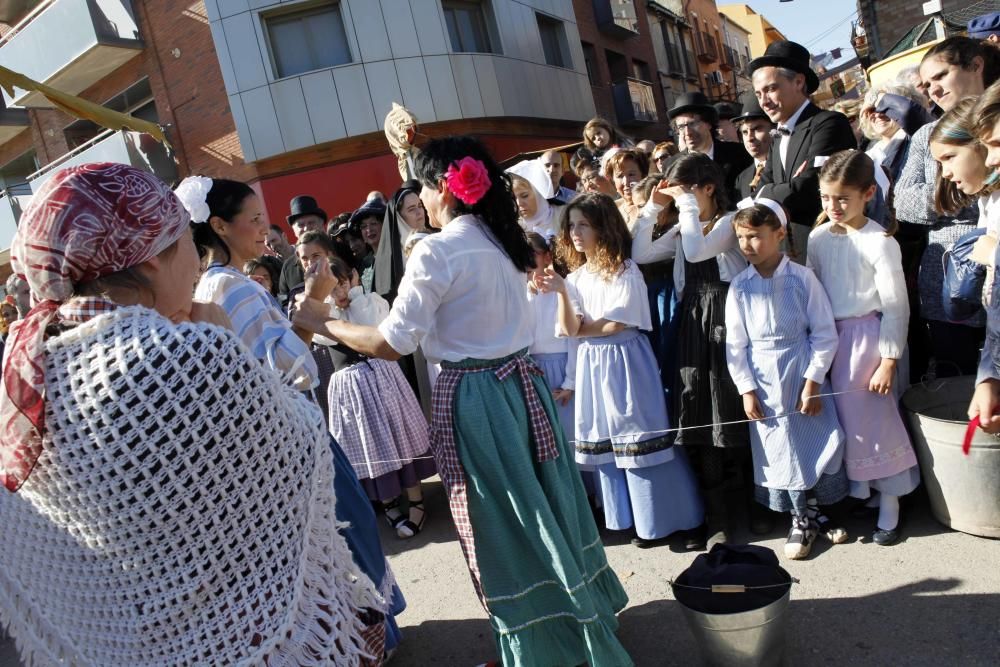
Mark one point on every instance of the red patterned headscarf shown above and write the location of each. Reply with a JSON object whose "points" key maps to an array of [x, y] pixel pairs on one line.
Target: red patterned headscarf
{"points": [[86, 222]]}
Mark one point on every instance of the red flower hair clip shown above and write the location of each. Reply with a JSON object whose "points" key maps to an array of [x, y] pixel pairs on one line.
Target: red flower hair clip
{"points": [[468, 180]]}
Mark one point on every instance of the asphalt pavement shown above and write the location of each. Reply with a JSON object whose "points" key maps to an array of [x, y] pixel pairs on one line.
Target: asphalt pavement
{"points": [[933, 599]]}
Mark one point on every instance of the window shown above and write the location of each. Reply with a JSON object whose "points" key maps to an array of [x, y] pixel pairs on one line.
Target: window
{"points": [[590, 60], [640, 70], [617, 66], [136, 100], [553, 41], [467, 27], [306, 40]]}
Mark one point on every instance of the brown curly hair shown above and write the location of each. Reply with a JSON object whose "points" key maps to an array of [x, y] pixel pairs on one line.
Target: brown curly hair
{"points": [[614, 243]]}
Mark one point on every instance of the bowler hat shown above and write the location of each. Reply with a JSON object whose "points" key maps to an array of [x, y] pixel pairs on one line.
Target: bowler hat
{"points": [[304, 205], [790, 56], [751, 108], [725, 110], [696, 103], [983, 26], [370, 209]]}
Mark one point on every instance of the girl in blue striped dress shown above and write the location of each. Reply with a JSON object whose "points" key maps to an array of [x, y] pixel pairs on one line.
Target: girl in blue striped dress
{"points": [[622, 429], [781, 340]]}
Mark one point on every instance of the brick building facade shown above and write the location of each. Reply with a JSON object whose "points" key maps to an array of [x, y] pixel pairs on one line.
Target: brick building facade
{"points": [[888, 21], [622, 65]]}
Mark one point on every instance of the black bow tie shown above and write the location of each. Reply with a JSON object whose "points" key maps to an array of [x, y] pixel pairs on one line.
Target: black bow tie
{"points": [[781, 130]]}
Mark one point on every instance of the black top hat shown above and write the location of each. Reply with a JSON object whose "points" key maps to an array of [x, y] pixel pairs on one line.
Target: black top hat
{"points": [[791, 56], [725, 110], [304, 205], [751, 108], [696, 103]]}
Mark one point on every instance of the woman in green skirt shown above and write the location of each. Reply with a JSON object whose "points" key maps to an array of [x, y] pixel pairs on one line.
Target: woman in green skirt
{"points": [[536, 560]]}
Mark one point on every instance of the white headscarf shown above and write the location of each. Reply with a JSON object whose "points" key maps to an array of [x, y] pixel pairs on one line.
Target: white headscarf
{"points": [[534, 173]]}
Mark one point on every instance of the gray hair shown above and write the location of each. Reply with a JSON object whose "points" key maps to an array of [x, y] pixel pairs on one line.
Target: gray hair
{"points": [[787, 74], [894, 87], [11, 285]]}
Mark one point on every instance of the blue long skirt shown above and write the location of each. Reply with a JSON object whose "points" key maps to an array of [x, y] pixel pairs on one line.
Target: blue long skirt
{"points": [[622, 429], [553, 364], [361, 534]]}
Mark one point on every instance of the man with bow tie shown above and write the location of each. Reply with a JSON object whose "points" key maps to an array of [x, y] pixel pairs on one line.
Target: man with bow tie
{"points": [[754, 129], [804, 137]]}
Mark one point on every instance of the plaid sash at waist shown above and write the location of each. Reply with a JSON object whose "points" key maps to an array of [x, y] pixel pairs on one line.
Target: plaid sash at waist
{"points": [[442, 433], [541, 429]]}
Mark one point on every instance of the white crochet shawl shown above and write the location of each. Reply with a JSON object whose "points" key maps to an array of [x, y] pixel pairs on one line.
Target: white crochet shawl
{"points": [[182, 511]]}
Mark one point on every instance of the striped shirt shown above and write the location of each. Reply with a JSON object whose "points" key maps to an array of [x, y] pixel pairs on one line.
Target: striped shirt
{"points": [[261, 326]]}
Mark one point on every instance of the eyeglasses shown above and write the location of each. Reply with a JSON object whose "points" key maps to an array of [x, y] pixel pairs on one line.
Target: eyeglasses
{"points": [[660, 158], [692, 126]]}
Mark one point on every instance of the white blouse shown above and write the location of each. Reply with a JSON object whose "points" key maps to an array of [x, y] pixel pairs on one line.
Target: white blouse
{"points": [[862, 272], [989, 213], [461, 297], [822, 330], [366, 308], [696, 246], [622, 298], [646, 250], [546, 309]]}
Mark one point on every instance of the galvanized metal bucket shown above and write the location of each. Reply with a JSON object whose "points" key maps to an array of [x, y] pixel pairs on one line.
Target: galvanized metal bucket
{"points": [[745, 639], [964, 491]]}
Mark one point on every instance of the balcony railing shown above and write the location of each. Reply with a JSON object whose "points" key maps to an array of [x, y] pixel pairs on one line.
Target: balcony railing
{"points": [[707, 51], [70, 45], [616, 18], [634, 102], [729, 60], [124, 147]]}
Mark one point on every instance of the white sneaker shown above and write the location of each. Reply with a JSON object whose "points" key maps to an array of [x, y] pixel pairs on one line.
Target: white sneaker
{"points": [[800, 538]]}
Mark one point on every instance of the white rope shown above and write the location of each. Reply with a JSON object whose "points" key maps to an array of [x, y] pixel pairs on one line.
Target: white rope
{"points": [[680, 428]]}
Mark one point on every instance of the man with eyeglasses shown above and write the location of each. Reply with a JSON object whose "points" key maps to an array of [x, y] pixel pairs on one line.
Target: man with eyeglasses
{"points": [[695, 121]]}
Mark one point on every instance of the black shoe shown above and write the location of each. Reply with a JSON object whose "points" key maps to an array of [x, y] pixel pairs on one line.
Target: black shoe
{"points": [[694, 539], [642, 543], [886, 538], [761, 520], [826, 527]]}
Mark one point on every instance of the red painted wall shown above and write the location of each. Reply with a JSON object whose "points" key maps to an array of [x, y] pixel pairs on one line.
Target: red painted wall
{"points": [[344, 186]]}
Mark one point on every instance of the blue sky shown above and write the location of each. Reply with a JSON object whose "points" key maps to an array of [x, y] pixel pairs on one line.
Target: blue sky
{"points": [[806, 21]]}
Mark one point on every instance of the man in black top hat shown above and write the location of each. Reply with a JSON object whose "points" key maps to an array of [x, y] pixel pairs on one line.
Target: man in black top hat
{"points": [[783, 81], [695, 121], [305, 215], [755, 131]]}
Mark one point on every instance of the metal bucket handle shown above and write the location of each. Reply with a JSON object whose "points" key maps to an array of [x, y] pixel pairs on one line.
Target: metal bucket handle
{"points": [[734, 588]]}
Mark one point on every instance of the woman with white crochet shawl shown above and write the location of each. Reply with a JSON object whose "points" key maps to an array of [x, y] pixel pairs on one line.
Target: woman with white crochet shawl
{"points": [[155, 519], [228, 229]]}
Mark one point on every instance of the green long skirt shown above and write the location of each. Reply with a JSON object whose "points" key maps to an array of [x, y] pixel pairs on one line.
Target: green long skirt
{"points": [[544, 577]]}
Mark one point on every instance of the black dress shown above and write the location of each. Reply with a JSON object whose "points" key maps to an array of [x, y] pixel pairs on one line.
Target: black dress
{"points": [[706, 392]]}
